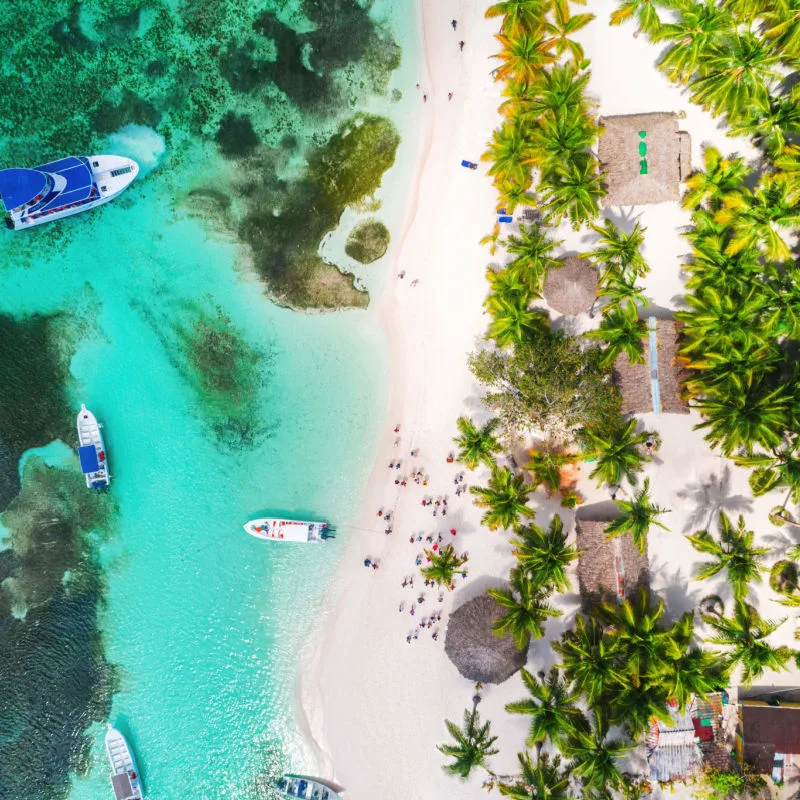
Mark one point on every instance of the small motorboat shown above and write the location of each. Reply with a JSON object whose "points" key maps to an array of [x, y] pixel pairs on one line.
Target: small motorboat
{"points": [[92, 451], [124, 775], [307, 788]]}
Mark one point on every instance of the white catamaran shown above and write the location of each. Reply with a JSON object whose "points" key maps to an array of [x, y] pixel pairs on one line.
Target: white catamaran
{"points": [[124, 775], [92, 451], [30, 197], [288, 530], [307, 788]]}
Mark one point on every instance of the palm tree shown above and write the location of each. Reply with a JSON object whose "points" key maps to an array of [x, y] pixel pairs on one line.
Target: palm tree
{"points": [[565, 24], [544, 780], [527, 606], [643, 645], [697, 673], [595, 755], [477, 445], [589, 659], [545, 555], [733, 552], [559, 138], [505, 499], [720, 178], [746, 634], [510, 153], [519, 14], [443, 566], [559, 88], [618, 453], [643, 10], [505, 283], [474, 744], [492, 239], [512, 321], [551, 706], [618, 250], [770, 123], [575, 190], [698, 26], [737, 72], [532, 251], [758, 217], [779, 25], [546, 464], [618, 288], [756, 415], [777, 470], [623, 332], [523, 55], [638, 515]]}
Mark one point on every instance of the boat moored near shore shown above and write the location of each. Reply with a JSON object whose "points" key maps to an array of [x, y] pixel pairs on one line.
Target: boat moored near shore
{"points": [[289, 530], [307, 788]]}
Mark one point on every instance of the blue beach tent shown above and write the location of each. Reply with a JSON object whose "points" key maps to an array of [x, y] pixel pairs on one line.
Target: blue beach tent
{"points": [[88, 457]]}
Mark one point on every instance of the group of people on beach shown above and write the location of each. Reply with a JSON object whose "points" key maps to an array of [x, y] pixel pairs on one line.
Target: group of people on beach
{"points": [[461, 43]]}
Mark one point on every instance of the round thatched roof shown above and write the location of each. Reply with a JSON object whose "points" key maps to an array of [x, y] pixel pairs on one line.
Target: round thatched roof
{"points": [[471, 645], [571, 289]]}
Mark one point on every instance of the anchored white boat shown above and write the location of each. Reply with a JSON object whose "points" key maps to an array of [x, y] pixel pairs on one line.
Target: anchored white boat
{"points": [[307, 788], [288, 530], [29, 197], [92, 451], [124, 775]]}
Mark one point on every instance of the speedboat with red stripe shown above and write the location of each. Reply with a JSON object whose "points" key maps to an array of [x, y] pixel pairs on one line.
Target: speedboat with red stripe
{"points": [[289, 530], [30, 197]]}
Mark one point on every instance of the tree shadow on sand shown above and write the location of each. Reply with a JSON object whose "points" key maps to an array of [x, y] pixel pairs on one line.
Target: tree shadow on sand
{"points": [[710, 495]]}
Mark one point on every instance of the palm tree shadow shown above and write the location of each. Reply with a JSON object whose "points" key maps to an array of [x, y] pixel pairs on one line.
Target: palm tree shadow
{"points": [[711, 495], [680, 592]]}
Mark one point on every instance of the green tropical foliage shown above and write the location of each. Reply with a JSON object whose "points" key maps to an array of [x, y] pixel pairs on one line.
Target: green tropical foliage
{"points": [[473, 744], [638, 515], [526, 606], [477, 445], [443, 566], [622, 332], [619, 453], [505, 500], [745, 634], [545, 555], [512, 321], [552, 708], [546, 464], [533, 256], [733, 552], [595, 755], [618, 250], [543, 780]]}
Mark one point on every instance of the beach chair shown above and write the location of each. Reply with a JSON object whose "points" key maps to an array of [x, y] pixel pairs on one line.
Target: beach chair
{"points": [[505, 218]]}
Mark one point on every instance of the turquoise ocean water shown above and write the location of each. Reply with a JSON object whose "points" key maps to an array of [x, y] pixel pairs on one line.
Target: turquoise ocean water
{"points": [[201, 625]]}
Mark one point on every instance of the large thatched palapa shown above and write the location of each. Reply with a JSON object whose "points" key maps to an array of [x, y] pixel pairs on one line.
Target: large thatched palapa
{"points": [[664, 153], [471, 645], [571, 289], [608, 569], [654, 385]]}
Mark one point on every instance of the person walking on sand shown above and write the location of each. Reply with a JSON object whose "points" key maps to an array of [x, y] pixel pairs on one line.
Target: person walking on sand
{"points": [[454, 23], [425, 98], [449, 95], [461, 45]]}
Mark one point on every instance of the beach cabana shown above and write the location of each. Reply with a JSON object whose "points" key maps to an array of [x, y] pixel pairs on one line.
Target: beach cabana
{"points": [[644, 157], [654, 385], [608, 569], [471, 645], [571, 289]]}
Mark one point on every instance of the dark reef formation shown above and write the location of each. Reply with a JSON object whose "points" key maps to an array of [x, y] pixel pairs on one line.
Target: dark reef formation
{"points": [[368, 241]]}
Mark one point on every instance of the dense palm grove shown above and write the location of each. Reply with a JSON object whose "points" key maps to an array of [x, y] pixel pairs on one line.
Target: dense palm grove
{"points": [[620, 664]]}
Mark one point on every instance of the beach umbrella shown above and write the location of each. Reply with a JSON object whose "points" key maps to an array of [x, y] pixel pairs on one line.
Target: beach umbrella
{"points": [[471, 645], [571, 289]]}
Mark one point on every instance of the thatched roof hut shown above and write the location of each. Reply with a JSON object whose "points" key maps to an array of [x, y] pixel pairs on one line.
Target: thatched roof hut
{"points": [[654, 385], [608, 568], [645, 158], [571, 289], [471, 645]]}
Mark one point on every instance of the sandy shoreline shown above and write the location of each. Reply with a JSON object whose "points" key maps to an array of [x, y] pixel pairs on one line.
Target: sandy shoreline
{"points": [[374, 705]]}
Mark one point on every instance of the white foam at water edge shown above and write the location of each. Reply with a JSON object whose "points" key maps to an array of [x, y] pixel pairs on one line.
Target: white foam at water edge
{"points": [[139, 142]]}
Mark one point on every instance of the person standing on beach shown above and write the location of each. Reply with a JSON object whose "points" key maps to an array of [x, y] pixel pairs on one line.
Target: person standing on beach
{"points": [[454, 23]]}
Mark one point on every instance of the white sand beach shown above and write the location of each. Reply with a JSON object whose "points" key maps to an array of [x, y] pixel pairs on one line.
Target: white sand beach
{"points": [[375, 705]]}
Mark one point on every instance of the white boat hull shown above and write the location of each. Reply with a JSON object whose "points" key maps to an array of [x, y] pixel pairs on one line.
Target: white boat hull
{"points": [[288, 530], [124, 773], [90, 438]]}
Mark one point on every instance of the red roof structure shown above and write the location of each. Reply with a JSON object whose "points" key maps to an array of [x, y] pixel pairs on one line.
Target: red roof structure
{"points": [[767, 730]]}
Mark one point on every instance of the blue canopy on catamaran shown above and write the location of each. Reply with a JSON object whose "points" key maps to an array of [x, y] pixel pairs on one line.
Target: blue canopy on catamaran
{"points": [[20, 186]]}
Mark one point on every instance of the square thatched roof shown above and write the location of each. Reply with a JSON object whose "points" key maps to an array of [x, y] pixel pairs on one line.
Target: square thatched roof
{"points": [[637, 382], [607, 565], [667, 157]]}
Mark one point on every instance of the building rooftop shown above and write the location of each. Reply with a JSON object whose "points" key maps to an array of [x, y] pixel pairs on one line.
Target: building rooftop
{"points": [[767, 730]]}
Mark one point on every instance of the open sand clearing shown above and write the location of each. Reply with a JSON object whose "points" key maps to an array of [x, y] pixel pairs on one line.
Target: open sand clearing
{"points": [[375, 705]]}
